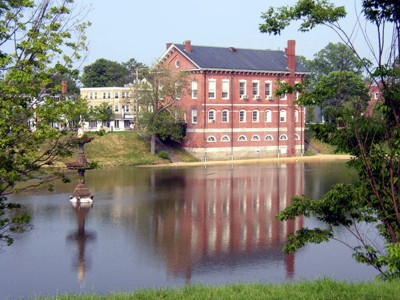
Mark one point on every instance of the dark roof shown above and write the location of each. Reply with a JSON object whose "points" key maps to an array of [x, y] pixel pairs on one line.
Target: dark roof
{"points": [[238, 59]]}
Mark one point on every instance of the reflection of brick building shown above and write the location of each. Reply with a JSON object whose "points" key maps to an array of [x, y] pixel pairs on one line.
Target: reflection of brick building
{"points": [[230, 215], [232, 111]]}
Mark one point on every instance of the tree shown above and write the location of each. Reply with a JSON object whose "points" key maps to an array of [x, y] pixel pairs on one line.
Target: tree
{"points": [[38, 39], [103, 113], [156, 100], [333, 58], [104, 72], [373, 142]]}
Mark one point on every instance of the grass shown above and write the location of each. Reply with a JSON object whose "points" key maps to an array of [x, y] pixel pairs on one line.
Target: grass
{"points": [[319, 289], [125, 148]]}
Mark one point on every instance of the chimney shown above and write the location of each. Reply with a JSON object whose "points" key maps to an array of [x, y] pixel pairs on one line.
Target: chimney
{"points": [[168, 45], [290, 52], [188, 46], [64, 87]]}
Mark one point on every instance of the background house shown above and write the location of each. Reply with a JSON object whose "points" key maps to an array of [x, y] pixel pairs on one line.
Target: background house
{"points": [[232, 111]]}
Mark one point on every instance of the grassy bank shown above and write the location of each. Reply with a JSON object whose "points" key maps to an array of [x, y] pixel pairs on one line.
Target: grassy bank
{"points": [[320, 289], [126, 148]]}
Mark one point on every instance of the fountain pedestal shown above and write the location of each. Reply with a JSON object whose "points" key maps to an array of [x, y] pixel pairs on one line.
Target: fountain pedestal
{"points": [[81, 192]]}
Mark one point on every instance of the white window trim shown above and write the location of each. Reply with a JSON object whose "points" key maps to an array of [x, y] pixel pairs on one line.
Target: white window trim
{"points": [[283, 137], [269, 135], [194, 114], [227, 116], [255, 138], [195, 87], [280, 116], [244, 94], [211, 82], [227, 91], [244, 116], [225, 138], [211, 139], [257, 95], [258, 116], [269, 95], [242, 138], [214, 117], [268, 120]]}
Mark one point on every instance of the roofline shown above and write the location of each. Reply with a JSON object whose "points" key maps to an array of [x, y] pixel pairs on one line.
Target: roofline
{"points": [[170, 48], [247, 71]]}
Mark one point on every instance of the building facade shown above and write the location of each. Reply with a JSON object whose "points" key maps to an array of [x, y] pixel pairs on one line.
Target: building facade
{"points": [[231, 111], [122, 102]]}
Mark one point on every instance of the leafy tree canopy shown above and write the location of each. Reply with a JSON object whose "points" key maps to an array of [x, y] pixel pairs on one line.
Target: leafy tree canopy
{"points": [[40, 43], [107, 73], [372, 141]]}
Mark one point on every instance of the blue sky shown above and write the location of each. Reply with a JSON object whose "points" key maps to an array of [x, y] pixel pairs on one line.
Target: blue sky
{"points": [[124, 29]]}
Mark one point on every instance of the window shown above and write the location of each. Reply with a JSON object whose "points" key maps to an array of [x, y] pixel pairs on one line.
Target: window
{"points": [[116, 95], [283, 96], [90, 95], [95, 95], [108, 95], [296, 137], [242, 116], [376, 95], [194, 89], [116, 108], [255, 115], [268, 90], [242, 89], [268, 116], [242, 138], [225, 138], [125, 108], [185, 117], [269, 137], [92, 124], [211, 88], [211, 139], [296, 115], [225, 116], [177, 91], [211, 116], [225, 89], [283, 137], [116, 123], [104, 95], [194, 116], [282, 116], [255, 138], [256, 89]]}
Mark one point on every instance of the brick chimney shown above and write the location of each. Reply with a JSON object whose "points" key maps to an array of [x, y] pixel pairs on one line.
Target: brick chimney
{"points": [[64, 87], [290, 52], [168, 45], [188, 46]]}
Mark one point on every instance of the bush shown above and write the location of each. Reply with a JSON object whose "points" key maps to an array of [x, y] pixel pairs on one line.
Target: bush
{"points": [[163, 154]]}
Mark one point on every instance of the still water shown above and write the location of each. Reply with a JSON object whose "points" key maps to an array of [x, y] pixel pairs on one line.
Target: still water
{"points": [[171, 227]]}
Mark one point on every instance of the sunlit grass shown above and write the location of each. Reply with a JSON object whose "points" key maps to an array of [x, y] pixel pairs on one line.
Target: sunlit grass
{"points": [[320, 289]]}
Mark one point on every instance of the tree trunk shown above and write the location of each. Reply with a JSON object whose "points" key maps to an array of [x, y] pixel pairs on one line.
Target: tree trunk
{"points": [[153, 144]]}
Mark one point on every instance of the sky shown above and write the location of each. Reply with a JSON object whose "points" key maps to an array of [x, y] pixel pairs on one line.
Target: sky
{"points": [[140, 29]]}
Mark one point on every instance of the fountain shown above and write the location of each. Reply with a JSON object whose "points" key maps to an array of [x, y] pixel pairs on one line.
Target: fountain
{"points": [[81, 193]]}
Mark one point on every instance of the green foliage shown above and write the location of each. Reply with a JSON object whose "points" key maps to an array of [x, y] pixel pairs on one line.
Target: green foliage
{"points": [[163, 154], [158, 99], [104, 73], [38, 51], [372, 141]]}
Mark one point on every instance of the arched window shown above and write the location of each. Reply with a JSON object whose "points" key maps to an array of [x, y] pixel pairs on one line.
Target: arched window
{"points": [[283, 137], [225, 138], [242, 116], [242, 138], [282, 116], [296, 137], [225, 116], [268, 116], [269, 137], [255, 137], [211, 139], [255, 116], [211, 116]]}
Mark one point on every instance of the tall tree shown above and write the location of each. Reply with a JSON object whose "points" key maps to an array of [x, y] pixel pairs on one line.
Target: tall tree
{"points": [[373, 142], [104, 73], [156, 101], [38, 39]]}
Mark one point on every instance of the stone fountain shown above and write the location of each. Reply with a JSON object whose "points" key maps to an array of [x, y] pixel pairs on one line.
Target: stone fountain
{"points": [[81, 193]]}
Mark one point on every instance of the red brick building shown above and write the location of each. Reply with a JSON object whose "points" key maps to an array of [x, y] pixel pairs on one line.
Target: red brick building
{"points": [[232, 111]]}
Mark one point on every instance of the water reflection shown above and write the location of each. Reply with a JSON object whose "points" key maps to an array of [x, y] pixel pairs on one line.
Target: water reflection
{"points": [[81, 237], [224, 216]]}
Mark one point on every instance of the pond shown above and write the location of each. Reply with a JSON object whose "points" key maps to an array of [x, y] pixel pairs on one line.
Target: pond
{"points": [[173, 226]]}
